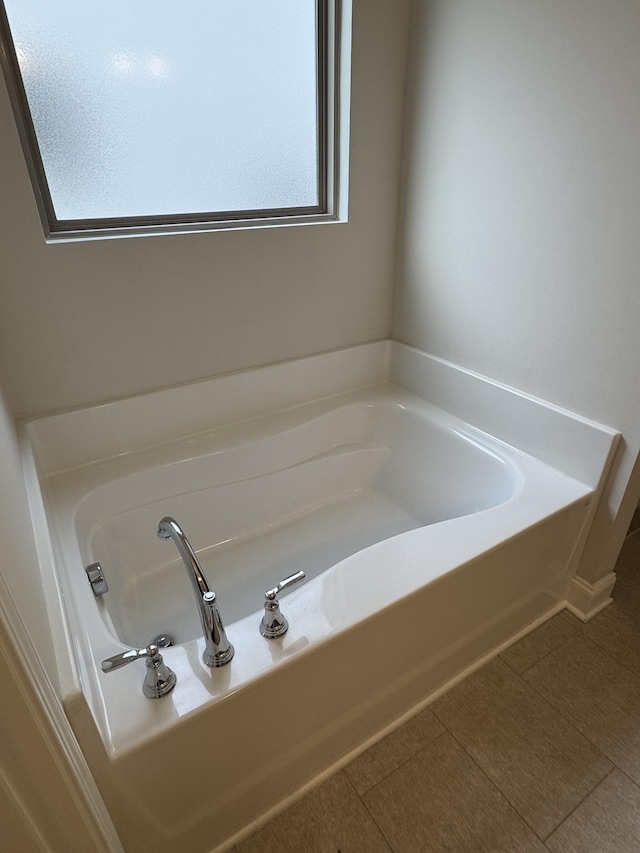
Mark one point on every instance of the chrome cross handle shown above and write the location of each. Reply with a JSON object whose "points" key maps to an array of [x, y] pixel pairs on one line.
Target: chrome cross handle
{"points": [[159, 679], [273, 622]]}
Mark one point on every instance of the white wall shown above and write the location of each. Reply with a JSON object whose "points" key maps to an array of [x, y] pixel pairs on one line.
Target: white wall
{"points": [[519, 254], [82, 323]]}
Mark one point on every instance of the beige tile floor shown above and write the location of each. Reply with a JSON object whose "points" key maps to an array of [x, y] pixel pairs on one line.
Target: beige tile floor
{"points": [[537, 751]]}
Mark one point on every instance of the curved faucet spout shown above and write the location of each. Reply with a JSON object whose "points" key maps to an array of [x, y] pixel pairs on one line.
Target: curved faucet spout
{"points": [[170, 529], [218, 650]]}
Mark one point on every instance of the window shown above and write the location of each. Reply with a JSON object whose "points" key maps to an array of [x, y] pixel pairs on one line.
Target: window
{"points": [[149, 115]]}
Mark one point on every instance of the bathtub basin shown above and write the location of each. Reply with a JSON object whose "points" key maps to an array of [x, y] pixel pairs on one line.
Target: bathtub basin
{"points": [[305, 497], [428, 544]]}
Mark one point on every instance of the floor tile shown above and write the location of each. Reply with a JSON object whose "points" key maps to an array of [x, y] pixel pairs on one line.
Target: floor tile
{"points": [[388, 754], [567, 616], [626, 599], [608, 821], [440, 801], [541, 764], [331, 819], [600, 696], [538, 643], [616, 630]]}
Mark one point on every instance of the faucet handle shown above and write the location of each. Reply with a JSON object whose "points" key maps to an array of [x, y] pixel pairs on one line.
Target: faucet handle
{"points": [[272, 593], [274, 624], [118, 661], [159, 679]]}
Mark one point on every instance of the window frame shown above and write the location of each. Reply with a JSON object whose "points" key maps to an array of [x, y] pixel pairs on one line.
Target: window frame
{"points": [[334, 44]]}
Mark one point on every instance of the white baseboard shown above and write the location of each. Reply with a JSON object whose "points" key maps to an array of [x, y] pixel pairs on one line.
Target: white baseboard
{"points": [[584, 600]]}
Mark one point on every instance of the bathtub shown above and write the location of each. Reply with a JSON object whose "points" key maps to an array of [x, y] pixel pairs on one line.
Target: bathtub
{"points": [[427, 544]]}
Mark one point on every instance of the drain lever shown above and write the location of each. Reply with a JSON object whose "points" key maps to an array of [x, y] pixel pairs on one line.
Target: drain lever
{"points": [[97, 579]]}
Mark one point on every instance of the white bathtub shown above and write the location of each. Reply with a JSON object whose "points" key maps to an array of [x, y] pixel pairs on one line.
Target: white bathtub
{"points": [[426, 542], [257, 509]]}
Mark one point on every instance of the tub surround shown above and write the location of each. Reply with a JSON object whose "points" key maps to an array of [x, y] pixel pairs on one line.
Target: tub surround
{"points": [[459, 591], [83, 436]]}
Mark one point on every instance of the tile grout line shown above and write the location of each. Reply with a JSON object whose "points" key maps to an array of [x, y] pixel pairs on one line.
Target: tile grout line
{"points": [[562, 714], [626, 775], [573, 726], [578, 629], [577, 806], [490, 780], [608, 654], [535, 663], [494, 785], [370, 813], [475, 763], [406, 760]]}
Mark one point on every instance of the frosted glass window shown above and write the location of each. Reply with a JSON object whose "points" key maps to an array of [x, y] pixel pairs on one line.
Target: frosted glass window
{"points": [[151, 108]]}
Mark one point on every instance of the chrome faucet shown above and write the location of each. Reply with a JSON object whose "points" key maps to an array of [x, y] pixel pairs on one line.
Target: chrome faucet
{"points": [[159, 679], [218, 650], [274, 624]]}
